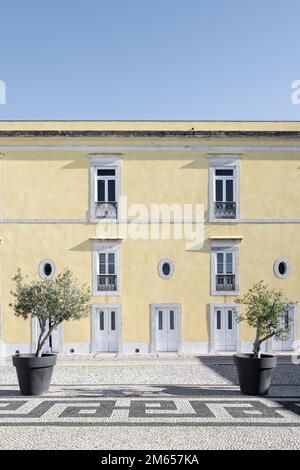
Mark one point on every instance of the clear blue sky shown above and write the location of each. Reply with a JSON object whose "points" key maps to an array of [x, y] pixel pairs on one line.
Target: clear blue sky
{"points": [[150, 59]]}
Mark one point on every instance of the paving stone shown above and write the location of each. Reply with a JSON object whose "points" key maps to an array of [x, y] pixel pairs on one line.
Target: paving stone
{"points": [[168, 402]]}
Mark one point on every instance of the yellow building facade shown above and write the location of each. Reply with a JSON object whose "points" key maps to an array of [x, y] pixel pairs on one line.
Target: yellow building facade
{"points": [[167, 222]]}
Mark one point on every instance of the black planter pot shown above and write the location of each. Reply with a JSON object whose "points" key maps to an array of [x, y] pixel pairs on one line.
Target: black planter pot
{"points": [[34, 373], [254, 374]]}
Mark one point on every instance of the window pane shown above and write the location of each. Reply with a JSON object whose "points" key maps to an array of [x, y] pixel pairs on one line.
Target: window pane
{"points": [[111, 269], [220, 263], [287, 320], [282, 268], [111, 257], [101, 190], [171, 319], [224, 172], [111, 190], [103, 172], [218, 319], [102, 263], [160, 320], [166, 269], [229, 319], [111, 263], [229, 267], [101, 320], [113, 321], [229, 190], [219, 190]]}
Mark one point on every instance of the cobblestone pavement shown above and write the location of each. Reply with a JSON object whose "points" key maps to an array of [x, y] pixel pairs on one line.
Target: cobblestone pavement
{"points": [[166, 402]]}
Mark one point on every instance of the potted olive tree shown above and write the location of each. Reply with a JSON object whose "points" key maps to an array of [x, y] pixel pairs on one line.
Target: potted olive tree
{"points": [[267, 311], [58, 299]]}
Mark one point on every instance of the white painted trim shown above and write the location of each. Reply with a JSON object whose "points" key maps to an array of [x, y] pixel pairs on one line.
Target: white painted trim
{"points": [[111, 246], [11, 348], [226, 243], [226, 149], [79, 348], [195, 347], [143, 221], [219, 161], [2, 347], [160, 266], [276, 268], [1, 324], [212, 324], [154, 309], [99, 159], [95, 324], [130, 347], [34, 335], [41, 268], [225, 246]]}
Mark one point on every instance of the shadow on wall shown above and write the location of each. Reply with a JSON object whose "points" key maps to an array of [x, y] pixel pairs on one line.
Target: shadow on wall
{"points": [[84, 246]]}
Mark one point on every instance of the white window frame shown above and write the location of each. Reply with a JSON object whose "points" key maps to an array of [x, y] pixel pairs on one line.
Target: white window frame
{"points": [[41, 268], [104, 178], [276, 268], [160, 268], [225, 246], [224, 179], [107, 247], [223, 162], [104, 161]]}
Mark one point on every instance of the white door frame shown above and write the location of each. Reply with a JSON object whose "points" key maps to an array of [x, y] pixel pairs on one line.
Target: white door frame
{"points": [[95, 325], [212, 333], [34, 335], [154, 309], [294, 315]]}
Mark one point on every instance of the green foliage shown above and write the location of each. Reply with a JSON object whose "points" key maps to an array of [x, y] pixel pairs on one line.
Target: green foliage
{"points": [[58, 299], [266, 311]]}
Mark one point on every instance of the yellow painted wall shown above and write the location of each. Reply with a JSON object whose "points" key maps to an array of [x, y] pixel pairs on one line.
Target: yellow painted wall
{"points": [[55, 184], [24, 245]]}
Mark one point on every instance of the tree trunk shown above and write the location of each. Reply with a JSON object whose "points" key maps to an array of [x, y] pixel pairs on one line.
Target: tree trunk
{"points": [[41, 341], [256, 344]]}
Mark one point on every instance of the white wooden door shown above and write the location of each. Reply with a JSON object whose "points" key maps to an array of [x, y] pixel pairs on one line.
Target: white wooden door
{"points": [[108, 330], [166, 329], [287, 343], [225, 329], [52, 345]]}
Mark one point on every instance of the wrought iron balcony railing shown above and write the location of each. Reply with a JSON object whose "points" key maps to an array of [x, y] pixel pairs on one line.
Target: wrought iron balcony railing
{"points": [[225, 210], [225, 282], [106, 210], [107, 282]]}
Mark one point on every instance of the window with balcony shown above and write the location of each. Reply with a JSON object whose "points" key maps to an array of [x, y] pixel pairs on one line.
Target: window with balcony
{"points": [[106, 269], [106, 205], [224, 194], [224, 184], [225, 266], [225, 276], [105, 186]]}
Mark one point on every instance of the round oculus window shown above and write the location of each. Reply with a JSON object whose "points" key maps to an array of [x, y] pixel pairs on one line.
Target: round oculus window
{"points": [[46, 269], [166, 268], [282, 268]]}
